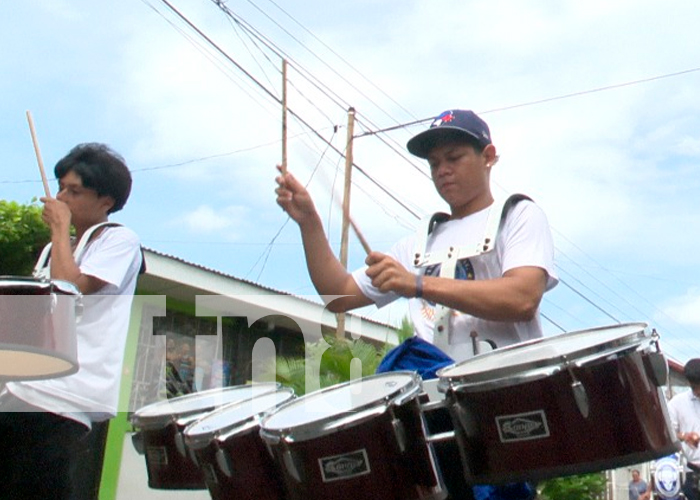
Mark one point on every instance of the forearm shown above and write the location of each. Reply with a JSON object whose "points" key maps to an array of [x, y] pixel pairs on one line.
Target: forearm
{"points": [[329, 277], [507, 298], [63, 266]]}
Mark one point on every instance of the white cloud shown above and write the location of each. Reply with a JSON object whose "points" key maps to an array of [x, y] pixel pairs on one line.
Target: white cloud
{"points": [[206, 219]]}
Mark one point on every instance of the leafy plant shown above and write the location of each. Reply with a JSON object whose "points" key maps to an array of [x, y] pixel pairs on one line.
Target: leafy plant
{"points": [[581, 487], [335, 358], [22, 236]]}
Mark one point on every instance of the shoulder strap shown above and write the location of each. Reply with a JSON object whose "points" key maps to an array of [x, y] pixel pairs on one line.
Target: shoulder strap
{"points": [[43, 260], [87, 238], [448, 260]]}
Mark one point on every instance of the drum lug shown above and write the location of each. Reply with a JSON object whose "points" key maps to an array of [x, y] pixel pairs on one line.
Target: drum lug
{"points": [[399, 433], [79, 309], [581, 398], [223, 462], [193, 456], [580, 394], [289, 463], [180, 444], [137, 441], [658, 367]]}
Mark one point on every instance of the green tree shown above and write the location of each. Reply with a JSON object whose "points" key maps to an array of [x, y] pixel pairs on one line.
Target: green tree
{"points": [[581, 487], [22, 236]]}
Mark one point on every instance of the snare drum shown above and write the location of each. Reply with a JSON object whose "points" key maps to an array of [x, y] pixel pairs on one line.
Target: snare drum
{"points": [[226, 445], [363, 439], [160, 428], [576, 403], [38, 328]]}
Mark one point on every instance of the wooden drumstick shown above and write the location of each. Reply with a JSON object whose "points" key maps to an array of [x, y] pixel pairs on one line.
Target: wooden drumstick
{"points": [[362, 239], [47, 191]]}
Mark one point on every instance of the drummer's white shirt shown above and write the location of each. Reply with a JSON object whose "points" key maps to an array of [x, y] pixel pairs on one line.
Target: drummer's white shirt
{"points": [[524, 240], [92, 393], [684, 411]]}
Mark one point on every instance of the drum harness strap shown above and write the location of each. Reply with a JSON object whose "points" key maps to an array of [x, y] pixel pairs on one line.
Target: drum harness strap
{"points": [[41, 268], [448, 258]]}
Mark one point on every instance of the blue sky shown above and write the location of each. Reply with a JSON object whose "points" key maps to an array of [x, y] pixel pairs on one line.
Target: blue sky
{"points": [[616, 170]]}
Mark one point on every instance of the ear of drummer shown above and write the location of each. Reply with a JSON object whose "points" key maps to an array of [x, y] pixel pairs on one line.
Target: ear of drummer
{"points": [[490, 155]]}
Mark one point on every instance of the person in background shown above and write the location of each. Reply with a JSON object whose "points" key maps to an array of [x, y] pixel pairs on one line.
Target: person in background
{"points": [[185, 365], [638, 488], [684, 410], [45, 425], [495, 294]]}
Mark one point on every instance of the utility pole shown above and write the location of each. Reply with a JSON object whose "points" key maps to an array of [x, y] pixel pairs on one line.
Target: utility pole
{"points": [[284, 116], [340, 332]]}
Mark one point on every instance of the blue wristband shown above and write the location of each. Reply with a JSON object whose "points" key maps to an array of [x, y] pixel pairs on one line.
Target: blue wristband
{"points": [[419, 286]]}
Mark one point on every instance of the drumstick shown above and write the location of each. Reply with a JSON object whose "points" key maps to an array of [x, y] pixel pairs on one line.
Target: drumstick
{"points": [[362, 239], [47, 191]]}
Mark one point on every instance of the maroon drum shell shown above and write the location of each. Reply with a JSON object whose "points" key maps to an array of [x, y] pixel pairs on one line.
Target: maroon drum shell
{"points": [[627, 423], [37, 328], [256, 475], [168, 468], [160, 433], [234, 459], [385, 471]]}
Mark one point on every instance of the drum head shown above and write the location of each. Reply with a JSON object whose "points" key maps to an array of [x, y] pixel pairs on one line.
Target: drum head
{"points": [[163, 412], [545, 352], [235, 415], [315, 413]]}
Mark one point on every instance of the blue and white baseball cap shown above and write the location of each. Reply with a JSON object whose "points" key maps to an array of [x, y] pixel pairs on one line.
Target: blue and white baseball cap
{"points": [[457, 124]]}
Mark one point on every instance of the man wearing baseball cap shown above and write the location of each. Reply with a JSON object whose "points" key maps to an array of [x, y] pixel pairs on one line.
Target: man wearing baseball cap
{"points": [[684, 410], [476, 272], [494, 292]]}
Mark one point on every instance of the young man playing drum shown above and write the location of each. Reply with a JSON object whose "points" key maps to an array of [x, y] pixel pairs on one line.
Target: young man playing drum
{"points": [[462, 285], [496, 294], [43, 424]]}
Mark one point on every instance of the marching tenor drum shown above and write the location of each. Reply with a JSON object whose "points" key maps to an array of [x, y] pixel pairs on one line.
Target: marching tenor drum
{"points": [[226, 445], [575, 403], [38, 328], [363, 439], [160, 427]]}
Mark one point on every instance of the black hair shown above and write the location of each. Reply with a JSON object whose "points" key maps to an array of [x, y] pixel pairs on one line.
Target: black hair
{"points": [[692, 371], [100, 169]]}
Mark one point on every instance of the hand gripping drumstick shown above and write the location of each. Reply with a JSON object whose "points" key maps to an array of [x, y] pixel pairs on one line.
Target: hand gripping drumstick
{"points": [[47, 191]]}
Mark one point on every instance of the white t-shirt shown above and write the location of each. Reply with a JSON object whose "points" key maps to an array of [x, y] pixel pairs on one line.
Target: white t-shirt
{"points": [[92, 393], [524, 240], [684, 411]]}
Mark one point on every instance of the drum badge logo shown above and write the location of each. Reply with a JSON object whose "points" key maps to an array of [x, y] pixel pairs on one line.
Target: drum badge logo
{"points": [[522, 426], [344, 466]]}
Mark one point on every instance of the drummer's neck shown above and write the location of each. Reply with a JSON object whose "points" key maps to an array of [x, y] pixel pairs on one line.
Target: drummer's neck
{"points": [[80, 229]]}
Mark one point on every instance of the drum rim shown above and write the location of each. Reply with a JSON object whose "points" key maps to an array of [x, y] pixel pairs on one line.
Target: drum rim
{"points": [[632, 339], [142, 418], [319, 427], [193, 439], [64, 286]]}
